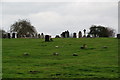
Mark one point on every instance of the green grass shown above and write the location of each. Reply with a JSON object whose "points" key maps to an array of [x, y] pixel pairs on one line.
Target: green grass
{"points": [[0, 58], [94, 61]]}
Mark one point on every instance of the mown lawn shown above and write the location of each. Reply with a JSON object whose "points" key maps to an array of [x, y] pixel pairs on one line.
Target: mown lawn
{"points": [[95, 61]]}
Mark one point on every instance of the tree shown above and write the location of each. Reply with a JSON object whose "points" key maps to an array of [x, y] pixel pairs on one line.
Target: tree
{"points": [[101, 31], [93, 30], [23, 28]]}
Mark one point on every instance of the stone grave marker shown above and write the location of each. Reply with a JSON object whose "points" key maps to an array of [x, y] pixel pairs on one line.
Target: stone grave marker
{"points": [[118, 36], [74, 35], [47, 38]]}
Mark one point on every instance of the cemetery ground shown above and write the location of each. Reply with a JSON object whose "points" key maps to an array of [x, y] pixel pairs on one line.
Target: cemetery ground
{"points": [[94, 61]]}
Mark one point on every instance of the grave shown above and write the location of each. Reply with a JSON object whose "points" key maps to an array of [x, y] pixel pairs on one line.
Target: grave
{"points": [[9, 35], [75, 54], [47, 38], [65, 34], [79, 34], [26, 54], [55, 54], [118, 36], [57, 36], [33, 72], [13, 35], [88, 36], [42, 36], [84, 46], [39, 35], [74, 35], [105, 47], [84, 32]]}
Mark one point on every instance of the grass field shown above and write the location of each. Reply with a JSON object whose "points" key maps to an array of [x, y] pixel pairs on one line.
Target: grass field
{"points": [[94, 61]]}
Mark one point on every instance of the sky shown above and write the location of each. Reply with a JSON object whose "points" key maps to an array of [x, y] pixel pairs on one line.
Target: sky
{"points": [[52, 17]]}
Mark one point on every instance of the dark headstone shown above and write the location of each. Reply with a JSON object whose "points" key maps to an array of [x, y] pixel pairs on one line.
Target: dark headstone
{"points": [[88, 36], [84, 32], [39, 36], [28, 35], [74, 35], [57, 36], [79, 34], [118, 36], [84, 36], [65, 34], [47, 38], [9, 35], [13, 35]]}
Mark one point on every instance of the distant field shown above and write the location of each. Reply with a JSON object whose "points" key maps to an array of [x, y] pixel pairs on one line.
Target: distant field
{"points": [[95, 61]]}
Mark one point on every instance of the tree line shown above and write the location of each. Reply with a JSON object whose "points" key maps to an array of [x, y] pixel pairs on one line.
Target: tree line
{"points": [[24, 28]]}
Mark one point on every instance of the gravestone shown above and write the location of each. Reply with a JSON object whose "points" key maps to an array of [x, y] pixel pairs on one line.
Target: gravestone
{"points": [[74, 35], [65, 34], [36, 35], [79, 34], [84, 46], [47, 38], [26, 54], [118, 36], [84, 32], [42, 35], [88, 36], [57, 36], [13, 35], [9, 35], [75, 54], [39, 36], [84, 36]]}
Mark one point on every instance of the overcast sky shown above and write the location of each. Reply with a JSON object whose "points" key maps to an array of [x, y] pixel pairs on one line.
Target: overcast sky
{"points": [[54, 17]]}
